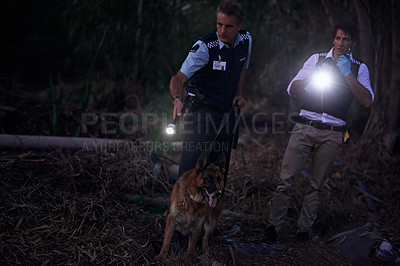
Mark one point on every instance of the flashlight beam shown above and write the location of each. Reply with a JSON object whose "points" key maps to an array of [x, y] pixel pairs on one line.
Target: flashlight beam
{"points": [[171, 126], [170, 129], [322, 79]]}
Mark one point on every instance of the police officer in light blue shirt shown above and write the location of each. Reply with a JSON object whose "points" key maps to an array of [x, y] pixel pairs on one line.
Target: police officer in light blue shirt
{"points": [[215, 68], [210, 49], [199, 55]]}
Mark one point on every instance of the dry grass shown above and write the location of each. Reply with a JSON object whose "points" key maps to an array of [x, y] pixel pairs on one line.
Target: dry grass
{"points": [[65, 207]]}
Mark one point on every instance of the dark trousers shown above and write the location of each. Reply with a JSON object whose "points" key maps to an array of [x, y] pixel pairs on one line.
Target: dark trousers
{"points": [[199, 130]]}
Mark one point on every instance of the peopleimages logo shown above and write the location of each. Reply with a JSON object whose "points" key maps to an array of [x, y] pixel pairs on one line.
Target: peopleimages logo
{"points": [[129, 123]]}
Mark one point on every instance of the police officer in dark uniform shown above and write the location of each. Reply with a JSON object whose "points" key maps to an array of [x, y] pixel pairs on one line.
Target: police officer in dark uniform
{"points": [[215, 66]]}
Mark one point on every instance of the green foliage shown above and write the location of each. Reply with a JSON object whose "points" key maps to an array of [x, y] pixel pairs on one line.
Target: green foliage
{"points": [[146, 41]]}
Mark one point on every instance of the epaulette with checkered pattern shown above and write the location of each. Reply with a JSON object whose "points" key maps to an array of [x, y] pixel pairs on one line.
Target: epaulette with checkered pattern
{"points": [[212, 44], [354, 61], [323, 54], [244, 34], [355, 64], [211, 40]]}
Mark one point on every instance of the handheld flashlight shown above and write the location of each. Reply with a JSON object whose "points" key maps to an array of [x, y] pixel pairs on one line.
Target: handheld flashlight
{"points": [[322, 79], [171, 126], [186, 105]]}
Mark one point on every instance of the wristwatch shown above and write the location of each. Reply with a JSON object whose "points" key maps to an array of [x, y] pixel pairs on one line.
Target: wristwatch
{"points": [[177, 97]]}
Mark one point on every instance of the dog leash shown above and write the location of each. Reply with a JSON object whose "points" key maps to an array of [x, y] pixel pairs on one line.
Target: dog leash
{"points": [[222, 125], [195, 95]]}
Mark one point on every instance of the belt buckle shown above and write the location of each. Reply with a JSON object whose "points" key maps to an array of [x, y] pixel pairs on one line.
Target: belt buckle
{"points": [[328, 127]]}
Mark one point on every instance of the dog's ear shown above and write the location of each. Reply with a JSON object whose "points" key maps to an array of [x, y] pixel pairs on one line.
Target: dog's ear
{"points": [[202, 161], [221, 162]]}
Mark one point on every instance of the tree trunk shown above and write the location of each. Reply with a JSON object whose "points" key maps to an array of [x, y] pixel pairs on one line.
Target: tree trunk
{"points": [[365, 38], [139, 42], [328, 8], [382, 130], [392, 133]]}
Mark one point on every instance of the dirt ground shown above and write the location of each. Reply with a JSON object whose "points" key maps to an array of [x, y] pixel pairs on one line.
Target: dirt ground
{"points": [[109, 207]]}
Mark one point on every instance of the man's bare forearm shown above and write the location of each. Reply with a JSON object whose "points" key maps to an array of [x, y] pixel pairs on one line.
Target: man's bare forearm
{"points": [[362, 95], [176, 84], [298, 87]]}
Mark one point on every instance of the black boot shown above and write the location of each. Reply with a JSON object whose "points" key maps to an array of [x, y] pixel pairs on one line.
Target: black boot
{"points": [[302, 236], [270, 235]]}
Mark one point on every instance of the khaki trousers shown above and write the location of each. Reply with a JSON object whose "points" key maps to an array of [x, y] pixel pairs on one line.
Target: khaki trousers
{"points": [[324, 145]]}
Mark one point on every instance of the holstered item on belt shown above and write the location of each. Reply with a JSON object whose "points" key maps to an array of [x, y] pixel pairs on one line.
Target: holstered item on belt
{"points": [[200, 100], [346, 136], [318, 125], [195, 98]]}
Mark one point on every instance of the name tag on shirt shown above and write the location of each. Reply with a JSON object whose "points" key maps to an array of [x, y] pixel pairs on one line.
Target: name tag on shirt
{"points": [[219, 65]]}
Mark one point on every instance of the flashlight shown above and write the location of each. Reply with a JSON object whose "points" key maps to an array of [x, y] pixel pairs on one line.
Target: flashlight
{"points": [[171, 126], [322, 79], [186, 105]]}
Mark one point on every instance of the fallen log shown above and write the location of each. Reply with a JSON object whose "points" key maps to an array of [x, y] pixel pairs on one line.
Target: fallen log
{"points": [[79, 143], [74, 143], [46, 142]]}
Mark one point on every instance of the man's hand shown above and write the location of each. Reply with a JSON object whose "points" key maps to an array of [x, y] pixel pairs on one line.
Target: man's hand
{"points": [[241, 102], [176, 89], [177, 108], [344, 65]]}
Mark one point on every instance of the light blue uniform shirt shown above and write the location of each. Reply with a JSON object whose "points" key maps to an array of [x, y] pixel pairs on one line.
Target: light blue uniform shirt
{"points": [[197, 59]]}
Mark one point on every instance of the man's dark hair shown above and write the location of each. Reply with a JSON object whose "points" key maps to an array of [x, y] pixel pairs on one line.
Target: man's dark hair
{"points": [[231, 8], [348, 28]]}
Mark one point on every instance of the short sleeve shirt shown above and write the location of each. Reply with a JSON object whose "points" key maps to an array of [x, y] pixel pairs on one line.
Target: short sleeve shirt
{"points": [[198, 55]]}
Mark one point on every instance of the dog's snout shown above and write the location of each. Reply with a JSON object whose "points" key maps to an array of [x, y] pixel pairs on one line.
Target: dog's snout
{"points": [[218, 193]]}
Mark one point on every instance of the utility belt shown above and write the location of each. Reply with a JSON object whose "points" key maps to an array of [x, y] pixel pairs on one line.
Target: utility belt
{"points": [[196, 100], [199, 100], [319, 125]]}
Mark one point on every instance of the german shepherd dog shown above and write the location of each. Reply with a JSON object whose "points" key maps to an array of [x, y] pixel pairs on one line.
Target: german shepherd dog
{"points": [[196, 204]]}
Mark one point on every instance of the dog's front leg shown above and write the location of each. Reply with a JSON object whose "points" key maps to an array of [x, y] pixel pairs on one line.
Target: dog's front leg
{"points": [[193, 238], [169, 231], [209, 227]]}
